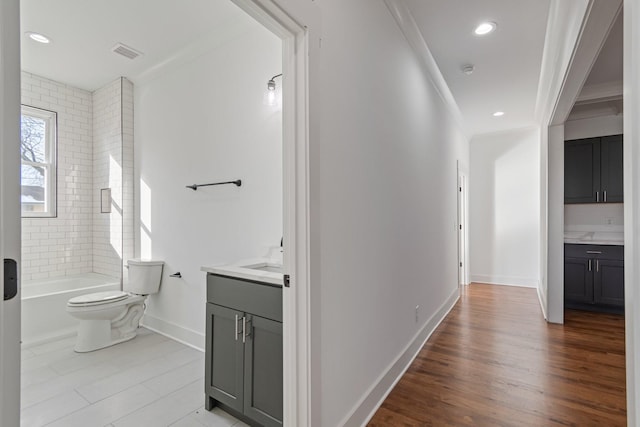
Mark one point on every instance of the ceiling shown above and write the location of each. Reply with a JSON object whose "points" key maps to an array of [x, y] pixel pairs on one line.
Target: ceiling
{"points": [[601, 94], [608, 66], [83, 33], [507, 62]]}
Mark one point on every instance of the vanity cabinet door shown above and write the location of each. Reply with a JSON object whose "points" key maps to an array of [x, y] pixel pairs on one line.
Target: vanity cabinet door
{"points": [[578, 280], [224, 367], [263, 371]]}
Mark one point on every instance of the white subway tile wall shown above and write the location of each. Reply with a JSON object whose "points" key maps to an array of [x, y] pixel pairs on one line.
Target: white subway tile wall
{"points": [[128, 243], [107, 173], [95, 151], [63, 245]]}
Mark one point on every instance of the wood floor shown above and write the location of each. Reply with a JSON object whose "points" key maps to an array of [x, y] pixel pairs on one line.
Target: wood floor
{"points": [[494, 361]]}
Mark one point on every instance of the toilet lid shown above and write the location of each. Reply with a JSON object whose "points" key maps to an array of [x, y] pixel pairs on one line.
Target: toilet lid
{"points": [[98, 298]]}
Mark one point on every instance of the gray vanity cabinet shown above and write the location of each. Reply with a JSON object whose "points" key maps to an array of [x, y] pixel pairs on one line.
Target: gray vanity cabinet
{"points": [[263, 372], [224, 369], [243, 361]]}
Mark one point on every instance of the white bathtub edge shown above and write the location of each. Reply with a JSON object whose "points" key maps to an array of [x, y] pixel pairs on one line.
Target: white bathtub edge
{"points": [[177, 333]]}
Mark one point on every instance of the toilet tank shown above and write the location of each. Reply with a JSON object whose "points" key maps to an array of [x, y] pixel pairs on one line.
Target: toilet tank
{"points": [[144, 276]]}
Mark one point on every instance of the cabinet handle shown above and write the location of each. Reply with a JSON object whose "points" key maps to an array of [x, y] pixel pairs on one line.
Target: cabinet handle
{"points": [[597, 196], [589, 265], [597, 266], [594, 252], [236, 327], [605, 195], [244, 328]]}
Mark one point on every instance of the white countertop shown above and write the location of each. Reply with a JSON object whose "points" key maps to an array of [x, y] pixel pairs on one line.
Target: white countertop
{"points": [[594, 237], [241, 270]]}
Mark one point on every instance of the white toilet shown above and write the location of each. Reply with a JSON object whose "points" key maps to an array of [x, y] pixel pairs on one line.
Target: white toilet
{"points": [[108, 318]]}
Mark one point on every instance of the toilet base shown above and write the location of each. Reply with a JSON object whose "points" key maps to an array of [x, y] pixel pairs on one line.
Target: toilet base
{"points": [[95, 334]]}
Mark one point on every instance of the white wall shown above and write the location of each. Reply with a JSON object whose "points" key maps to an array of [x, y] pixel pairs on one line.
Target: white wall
{"points": [[383, 208], [554, 289], [504, 208], [632, 206], [202, 122], [62, 245], [108, 172]]}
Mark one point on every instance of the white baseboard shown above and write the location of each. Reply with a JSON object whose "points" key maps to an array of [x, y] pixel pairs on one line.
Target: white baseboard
{"points": [[542, 298], [178, 333], [522, 282], [378, 392]]}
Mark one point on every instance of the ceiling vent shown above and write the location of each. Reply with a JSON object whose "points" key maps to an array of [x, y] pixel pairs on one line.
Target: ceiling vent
{"points": [[126, 51]]}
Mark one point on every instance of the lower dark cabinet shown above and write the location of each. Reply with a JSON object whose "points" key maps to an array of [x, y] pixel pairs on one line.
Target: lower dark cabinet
{"points": [[594, 277], [608, 288], [578, 280], [243, 361]]}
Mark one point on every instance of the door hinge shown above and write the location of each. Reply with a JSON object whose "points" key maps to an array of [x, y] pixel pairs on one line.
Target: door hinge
{"points": [[460, 189], [460, 226], [460, 264], [287, 280]]}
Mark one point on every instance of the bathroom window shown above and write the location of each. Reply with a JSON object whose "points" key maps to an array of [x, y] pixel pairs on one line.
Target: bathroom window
{"points": [[38, 140]]}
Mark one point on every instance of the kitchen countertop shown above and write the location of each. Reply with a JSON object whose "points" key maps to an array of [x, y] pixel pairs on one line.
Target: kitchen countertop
{"points": [[594, 237], [241, 270]]}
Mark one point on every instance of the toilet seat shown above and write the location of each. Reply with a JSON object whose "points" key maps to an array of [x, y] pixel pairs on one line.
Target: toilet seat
{"points": [[97, 298]]}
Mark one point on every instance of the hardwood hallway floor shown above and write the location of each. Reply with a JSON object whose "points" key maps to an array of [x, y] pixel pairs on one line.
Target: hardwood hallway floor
{"points": [[494, 361]]}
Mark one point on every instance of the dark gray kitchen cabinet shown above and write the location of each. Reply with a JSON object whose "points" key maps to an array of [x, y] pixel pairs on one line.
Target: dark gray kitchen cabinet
{"points": [[609, 282], [578, 280], [243, 360], [593, 170], [594, 277], [581, 170], [611, 176]]}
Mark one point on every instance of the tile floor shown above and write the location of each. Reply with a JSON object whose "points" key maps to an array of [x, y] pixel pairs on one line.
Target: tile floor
{"points": [[148, 381]]}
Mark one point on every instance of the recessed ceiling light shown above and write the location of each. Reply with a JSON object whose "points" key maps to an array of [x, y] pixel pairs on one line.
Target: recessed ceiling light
{"points": [[485, 28], [40, 38], [498, 114]]}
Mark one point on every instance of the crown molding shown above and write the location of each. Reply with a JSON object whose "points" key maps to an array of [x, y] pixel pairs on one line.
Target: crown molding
{"points": [[609, 91], [405, 20]]}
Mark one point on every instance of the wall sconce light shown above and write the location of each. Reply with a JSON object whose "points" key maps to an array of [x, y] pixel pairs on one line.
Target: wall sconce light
{"points": [[271, 97]]}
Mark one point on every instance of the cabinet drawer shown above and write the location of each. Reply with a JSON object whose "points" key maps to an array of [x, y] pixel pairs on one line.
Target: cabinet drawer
{"points": [[244, 295], [594, 251]]}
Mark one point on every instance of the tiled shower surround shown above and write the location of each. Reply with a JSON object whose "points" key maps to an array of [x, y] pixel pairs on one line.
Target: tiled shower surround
{"points": [[91, 155]]}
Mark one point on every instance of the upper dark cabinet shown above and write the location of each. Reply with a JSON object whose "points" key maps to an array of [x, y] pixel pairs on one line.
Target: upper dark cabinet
{"points": [[611, 176], [593, 170]]}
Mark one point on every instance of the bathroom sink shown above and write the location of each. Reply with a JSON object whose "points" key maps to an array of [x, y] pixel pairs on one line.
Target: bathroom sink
{"points": [[271, 269], [264, 266]]}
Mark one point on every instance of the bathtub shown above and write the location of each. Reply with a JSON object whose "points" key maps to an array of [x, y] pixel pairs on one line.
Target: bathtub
{"points": [[44, 304]]}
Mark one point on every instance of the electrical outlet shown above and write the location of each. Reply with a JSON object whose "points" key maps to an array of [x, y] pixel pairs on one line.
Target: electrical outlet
{"points": [[608, 220], [417, 310]]}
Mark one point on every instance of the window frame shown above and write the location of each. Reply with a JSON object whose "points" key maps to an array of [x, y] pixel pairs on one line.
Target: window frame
{"points": [[51, 160]]}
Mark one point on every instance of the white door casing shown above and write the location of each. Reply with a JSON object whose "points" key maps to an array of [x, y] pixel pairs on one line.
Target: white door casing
{"points": [[296, 336], [463, 232], [10, 207]]}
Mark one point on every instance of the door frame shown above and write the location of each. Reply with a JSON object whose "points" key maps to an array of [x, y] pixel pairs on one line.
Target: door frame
{"points": [[10, 207], [463, 223], [295, 118]]}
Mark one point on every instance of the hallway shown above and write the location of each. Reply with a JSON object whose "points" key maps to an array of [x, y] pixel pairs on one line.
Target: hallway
{"points": [[495, 361]]}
